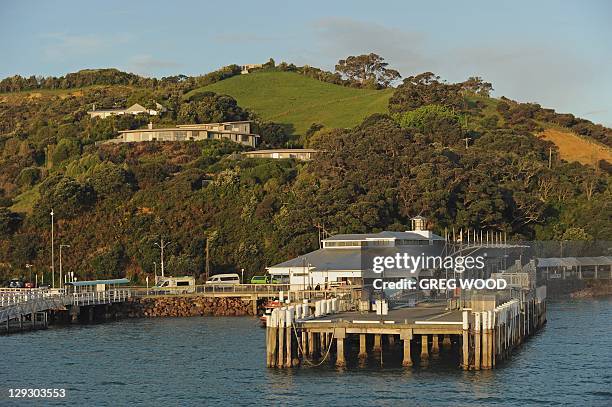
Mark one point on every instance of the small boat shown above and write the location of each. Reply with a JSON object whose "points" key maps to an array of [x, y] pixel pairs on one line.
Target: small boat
{"points": [[268, 307]]}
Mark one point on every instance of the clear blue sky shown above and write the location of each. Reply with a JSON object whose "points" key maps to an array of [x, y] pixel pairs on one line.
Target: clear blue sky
{"points": [[553, 52]]}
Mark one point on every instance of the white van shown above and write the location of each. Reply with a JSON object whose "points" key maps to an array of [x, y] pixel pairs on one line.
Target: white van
{"points": [[224, 279], [183, 284]]}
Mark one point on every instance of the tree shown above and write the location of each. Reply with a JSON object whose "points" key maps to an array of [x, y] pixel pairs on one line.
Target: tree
{"points": [[367, 70], [9, 222], [426, 89]]}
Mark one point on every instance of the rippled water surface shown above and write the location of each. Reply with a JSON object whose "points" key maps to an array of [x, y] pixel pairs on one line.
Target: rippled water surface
{"points": [[196, 361]]}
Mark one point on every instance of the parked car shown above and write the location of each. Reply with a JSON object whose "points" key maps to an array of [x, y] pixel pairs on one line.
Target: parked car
{"points": [[16, 283], [264, 280], [224, 279], [29, 284]]}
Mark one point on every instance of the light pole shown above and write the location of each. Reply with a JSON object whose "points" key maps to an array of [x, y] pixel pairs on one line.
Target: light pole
{"points": [[162, 245], [241, 276], [29, 267], [52, 253], [61, 276], [155, 271]]}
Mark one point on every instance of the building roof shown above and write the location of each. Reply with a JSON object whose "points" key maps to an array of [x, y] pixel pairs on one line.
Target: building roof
{"points": [[408, 235], [147, 130], [106, 110], [349, 259], [574, 261], [96, 282], [136, 107], [330, 259], [214, 123]]}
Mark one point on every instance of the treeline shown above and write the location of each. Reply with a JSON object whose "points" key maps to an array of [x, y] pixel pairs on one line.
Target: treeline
{"points": [[428, 89], [111, 76]]}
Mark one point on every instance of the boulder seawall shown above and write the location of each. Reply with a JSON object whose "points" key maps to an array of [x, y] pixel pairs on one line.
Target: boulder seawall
{"points": [[187, 306]]}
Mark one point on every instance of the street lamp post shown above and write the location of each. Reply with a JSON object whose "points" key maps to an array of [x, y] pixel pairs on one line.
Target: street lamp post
{"points": [[241, 276], [162, 245], [60, 265], [29, 267], [52, 253]]}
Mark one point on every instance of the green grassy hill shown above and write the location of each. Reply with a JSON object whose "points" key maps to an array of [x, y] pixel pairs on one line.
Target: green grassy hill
{"points": [[290, 98]]}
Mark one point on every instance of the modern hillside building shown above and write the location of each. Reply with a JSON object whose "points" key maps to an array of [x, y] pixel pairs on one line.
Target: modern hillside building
{"points": [[238, 132], [302, 154], [134, 110]]}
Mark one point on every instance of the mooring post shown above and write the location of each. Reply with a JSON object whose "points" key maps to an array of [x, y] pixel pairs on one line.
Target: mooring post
{"points": [[424, 347], [406, 336], [289, 341], [271, 324], [281, 337], [477, 340], [363, 353], [465, 339], [486, 338]]}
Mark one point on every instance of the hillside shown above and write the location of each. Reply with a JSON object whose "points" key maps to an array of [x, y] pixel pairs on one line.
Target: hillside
{"points": [[575, 148], [112, 202], [290, 98]]}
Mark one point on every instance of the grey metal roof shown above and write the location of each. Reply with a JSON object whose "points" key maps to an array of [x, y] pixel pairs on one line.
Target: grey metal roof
{"points": [[382, 235], [96, 282], [574, 261], [345, 259]]}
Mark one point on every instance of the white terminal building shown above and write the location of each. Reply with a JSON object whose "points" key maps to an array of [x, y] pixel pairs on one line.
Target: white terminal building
{"points": [[348, 258], [343, 258]]}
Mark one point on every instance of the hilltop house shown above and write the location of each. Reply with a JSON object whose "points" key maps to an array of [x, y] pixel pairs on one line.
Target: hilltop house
{"points": [[244, 69], [238, 132], [134, 110]]}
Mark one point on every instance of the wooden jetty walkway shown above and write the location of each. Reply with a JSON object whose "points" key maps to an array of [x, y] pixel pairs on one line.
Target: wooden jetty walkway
{"points": [[483, 330]]}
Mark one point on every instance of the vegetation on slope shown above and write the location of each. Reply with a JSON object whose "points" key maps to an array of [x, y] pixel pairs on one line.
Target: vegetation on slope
{"points": [[112, 202]]}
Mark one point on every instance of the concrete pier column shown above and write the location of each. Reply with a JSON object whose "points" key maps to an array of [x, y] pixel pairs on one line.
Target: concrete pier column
{"points": [[311, 344], [406, 336], [377, 343], [33, 320], [340, 334], [424, 347], [363, 353], [435, 347], [271, 328], [304, 344], [340, 362], [446, 342], [391, 340]]}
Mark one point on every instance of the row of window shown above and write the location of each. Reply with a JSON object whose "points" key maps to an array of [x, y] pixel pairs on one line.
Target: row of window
{"points": [[377, 243]]}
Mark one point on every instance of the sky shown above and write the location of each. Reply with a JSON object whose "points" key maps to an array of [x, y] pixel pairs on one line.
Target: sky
{"points": [[556, 53]]}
